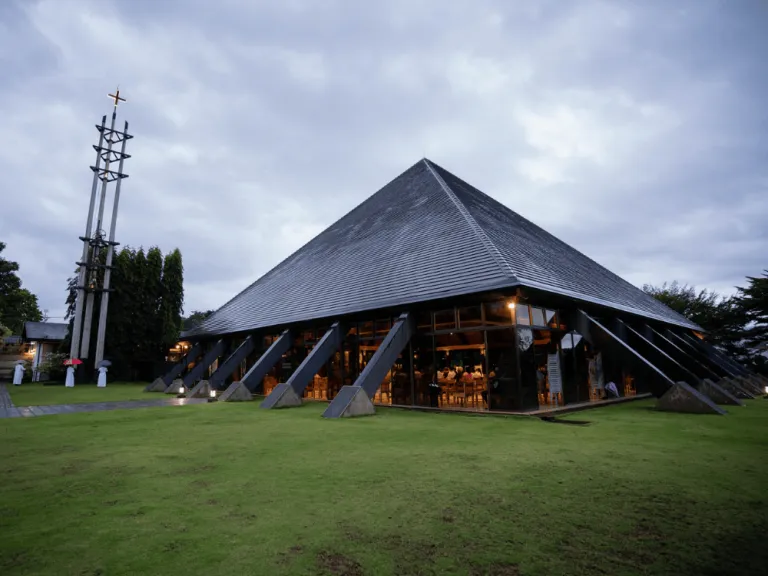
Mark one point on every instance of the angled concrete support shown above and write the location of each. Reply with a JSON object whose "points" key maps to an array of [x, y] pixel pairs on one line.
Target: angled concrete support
{"points": [[253, 378], [201, 390], [683, 398], [693, 351], [175, 387], [598, 335], [719, 394], [713, 352], [229, 365], [157, 386], [351, 400], [749, 384], [757, 382], [236, 392], [735, 388], [161, 384], [289, 393], [669, 365], [683, 357], [191, 378]]}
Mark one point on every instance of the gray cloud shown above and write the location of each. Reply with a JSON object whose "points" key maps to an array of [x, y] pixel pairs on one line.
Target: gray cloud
{"points": [[633, 131]]}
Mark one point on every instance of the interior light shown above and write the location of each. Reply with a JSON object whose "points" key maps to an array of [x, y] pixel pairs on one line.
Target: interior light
{"points": [[511, 305]]}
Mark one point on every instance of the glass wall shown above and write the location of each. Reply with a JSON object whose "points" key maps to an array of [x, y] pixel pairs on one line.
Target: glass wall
{"points": [[575, 368], [426, 392], [462, 368], [496, 355], [503, 382]]}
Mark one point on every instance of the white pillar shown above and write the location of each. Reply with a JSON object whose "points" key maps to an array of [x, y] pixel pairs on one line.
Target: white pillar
{"points": [[36, 361]]}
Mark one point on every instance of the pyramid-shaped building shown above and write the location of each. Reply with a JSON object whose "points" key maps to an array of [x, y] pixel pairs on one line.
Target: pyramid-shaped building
{"points": [[432, 293], [426, 235]]}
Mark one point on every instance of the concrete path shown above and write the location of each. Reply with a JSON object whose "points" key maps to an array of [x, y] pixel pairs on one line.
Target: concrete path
{"points": [[8, 410]]}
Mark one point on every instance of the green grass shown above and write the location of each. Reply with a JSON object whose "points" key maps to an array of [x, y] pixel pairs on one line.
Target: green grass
{"points": [[36, 394], [232, 489]]}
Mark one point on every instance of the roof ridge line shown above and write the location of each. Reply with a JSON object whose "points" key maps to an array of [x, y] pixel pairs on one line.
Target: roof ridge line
{"points": [[476, 228]]}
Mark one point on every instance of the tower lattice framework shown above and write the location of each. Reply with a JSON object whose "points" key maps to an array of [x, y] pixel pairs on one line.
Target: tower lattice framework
{"points": [[94, 276]]}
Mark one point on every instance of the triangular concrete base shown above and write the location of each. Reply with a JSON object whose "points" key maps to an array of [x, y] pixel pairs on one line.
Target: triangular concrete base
{"points": [[236, 392], [751, 385], [735, 388], [282, 396], [351, 401], [202, 390], [718, 394], [157, 386], [683, 398], [175, 387]]}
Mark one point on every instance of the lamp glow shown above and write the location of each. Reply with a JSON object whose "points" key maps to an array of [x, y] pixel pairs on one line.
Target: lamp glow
{"points": [[766, 389], [181, 390], [511, 305], [213, 393]]}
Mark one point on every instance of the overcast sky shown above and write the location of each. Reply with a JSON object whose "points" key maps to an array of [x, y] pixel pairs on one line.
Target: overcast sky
{"points": [[635, 131]]}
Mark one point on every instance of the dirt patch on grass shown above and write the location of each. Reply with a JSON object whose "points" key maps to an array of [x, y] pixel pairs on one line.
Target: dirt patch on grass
{"points": [[74, 467], [338, 564], [293, 551], [448, 516], [496, 569], [645, 531], [172, 546], [187, 471], [411, 557], [13, 560]]}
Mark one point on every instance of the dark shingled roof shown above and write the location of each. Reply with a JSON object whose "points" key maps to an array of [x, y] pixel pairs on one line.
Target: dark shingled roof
{"points": [[36, 331], [399, 247]]}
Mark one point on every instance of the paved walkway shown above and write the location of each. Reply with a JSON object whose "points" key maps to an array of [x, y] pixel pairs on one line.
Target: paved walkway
{"points": [[8, 410]]}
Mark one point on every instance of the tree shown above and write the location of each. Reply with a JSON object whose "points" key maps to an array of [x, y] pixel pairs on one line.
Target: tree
{"points": [[753, 302], [195, 319], [71, 303], [144, 311], [120, 347], [154, 290], [173, 297], [720, 317], [700, 307], [22, 307], [9, 280], [17, 305], [738, 325]]}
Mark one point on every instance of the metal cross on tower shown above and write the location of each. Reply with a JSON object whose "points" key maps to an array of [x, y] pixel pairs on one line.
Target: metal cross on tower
{"points": [[94, 275]]}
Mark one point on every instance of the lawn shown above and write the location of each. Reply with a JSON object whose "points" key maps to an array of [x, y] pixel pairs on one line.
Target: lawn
{"points": [[231, 489], [36, 394]]}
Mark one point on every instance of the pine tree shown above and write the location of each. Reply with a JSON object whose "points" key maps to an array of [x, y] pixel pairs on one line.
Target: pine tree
{"points": [[144, 311], [753, 301], [173, 297], [71, 303], [118, 345], [154, 289]]}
